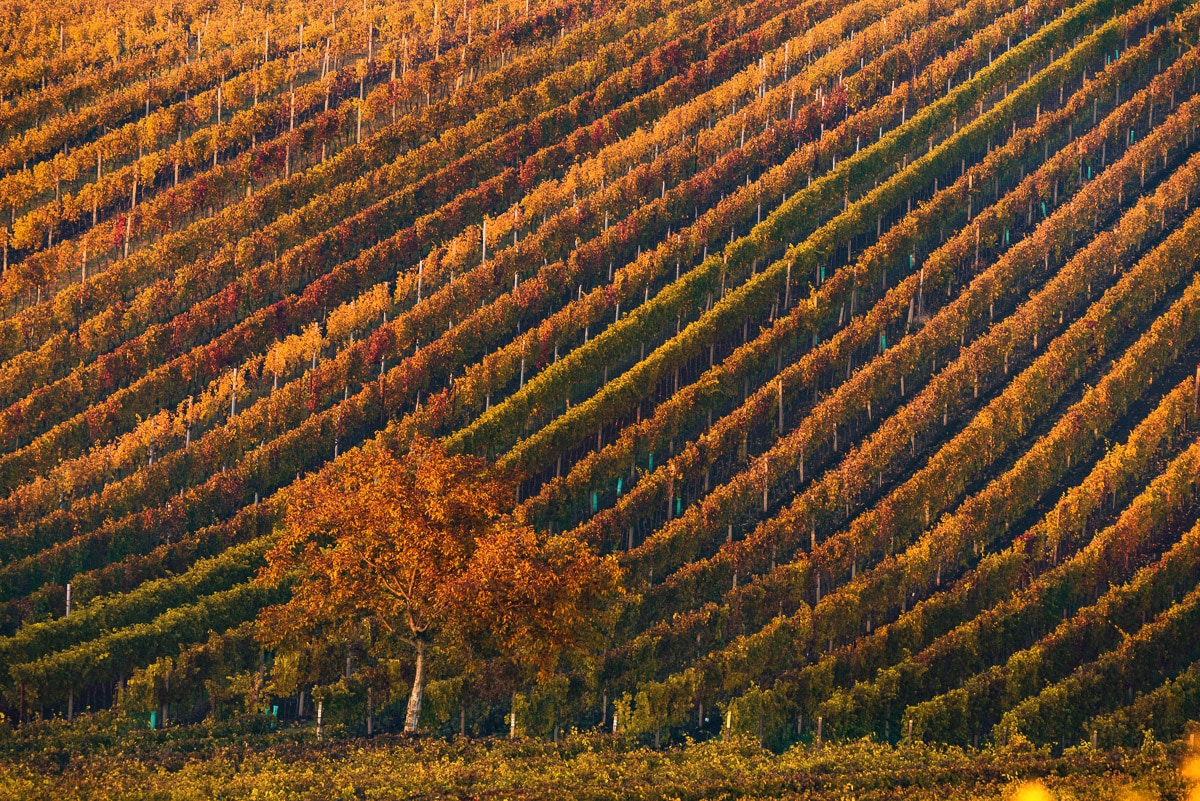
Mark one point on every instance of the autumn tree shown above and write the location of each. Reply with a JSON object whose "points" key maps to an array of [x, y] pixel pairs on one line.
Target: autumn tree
{"points": [[422, 545]]}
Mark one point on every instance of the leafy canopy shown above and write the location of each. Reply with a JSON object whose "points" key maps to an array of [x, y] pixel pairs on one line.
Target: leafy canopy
{"points": [[423, 545]]}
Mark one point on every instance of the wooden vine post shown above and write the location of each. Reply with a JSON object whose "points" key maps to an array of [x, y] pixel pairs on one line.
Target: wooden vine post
{"points": [[781, 407], [71, 690], [1196, 393]]}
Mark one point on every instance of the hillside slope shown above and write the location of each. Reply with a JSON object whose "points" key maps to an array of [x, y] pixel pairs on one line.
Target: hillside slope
{"points": [[863, 333]]}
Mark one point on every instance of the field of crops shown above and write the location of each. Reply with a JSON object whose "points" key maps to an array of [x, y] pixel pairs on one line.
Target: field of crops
{"points": [[863, 335], [106, 759]]}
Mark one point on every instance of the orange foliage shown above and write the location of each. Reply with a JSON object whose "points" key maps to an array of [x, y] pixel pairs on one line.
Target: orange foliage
{"points": [[422, 545]]}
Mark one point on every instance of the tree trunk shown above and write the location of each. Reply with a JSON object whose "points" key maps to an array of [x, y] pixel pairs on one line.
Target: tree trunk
{"points": [[418, 691]]}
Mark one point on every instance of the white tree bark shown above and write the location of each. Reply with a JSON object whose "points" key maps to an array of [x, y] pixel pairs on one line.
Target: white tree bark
{"points": [[418, 691]]}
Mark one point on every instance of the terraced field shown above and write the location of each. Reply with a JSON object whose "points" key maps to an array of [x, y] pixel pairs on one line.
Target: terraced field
{"points": [[863, 335]]}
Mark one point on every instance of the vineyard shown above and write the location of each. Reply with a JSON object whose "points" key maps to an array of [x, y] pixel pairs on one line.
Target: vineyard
{"points": [[183, 763], [859, 339]]}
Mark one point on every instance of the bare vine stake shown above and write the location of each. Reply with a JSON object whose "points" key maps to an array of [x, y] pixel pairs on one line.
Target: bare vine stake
{"points": [[1196, 393], [781, 404], [70, 692], [766, 482]]}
